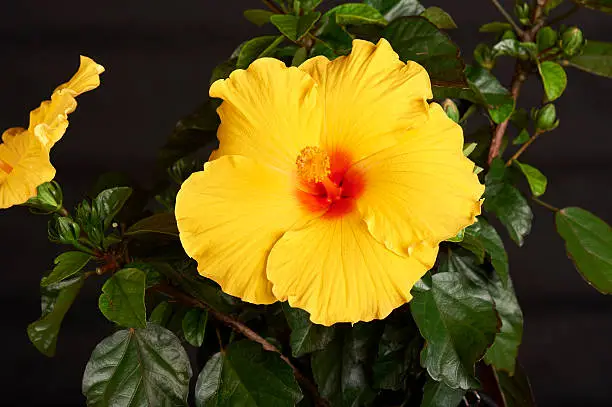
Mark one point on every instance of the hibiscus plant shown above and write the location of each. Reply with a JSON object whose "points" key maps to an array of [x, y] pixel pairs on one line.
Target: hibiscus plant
{"points": [[342, 244]]}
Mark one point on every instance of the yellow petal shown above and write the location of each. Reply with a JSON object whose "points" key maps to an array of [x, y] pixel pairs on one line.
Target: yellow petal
{"points": [[230, 215], [50, 120], [367, 96], [422, 189], [334, 269], [86, 78], [269, 113], [25, 165]]}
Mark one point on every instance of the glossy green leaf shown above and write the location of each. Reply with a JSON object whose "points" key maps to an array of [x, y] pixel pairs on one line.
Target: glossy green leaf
{"points": [[161, 223], [495, 27], [295, 27], [515, 389], [601, 5], [596, 58], [507, 203], [138, 367], [258, 17], [393, 9], [438, 394], [588, 240], [439, 17], [246, 375], [356, 14], [109, 202], [122, 298], [66, 265], [485, 234], [56, 300], [546, 38], [554, 79], [340, 370], [492, 94], [521, 138], [257, 47], [194, 326], [417, 39], [306, 337], [458, 321], [537, 181]]}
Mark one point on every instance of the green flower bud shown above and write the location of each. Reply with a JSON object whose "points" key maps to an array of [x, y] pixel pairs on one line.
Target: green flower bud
{"points": [[522, 12], [572, 40], [48, 199], [508, 35], [451, 110], [484, 56], [63, 230], [546, 118]]}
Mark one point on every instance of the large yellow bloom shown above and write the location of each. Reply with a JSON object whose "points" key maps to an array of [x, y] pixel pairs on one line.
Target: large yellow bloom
{"points": [[332, 187], [24, 153]]}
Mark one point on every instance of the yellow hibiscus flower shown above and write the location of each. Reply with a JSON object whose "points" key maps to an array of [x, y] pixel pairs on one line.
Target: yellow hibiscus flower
{"points": [[332, 187], [24, 153]]}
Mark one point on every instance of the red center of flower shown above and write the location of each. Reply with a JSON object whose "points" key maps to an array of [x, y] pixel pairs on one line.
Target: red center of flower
{"points": [[325, 182], [5, 167]]}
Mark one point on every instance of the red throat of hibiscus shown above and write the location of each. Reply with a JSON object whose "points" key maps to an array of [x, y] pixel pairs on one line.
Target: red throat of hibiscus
{"points": [[325, 182], [5, 167]]}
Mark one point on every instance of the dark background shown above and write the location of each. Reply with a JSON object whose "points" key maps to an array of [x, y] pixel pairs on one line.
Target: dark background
{"points": [[159, 55]]}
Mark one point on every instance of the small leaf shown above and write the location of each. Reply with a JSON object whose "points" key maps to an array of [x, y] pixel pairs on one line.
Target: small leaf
{"points": [[258, 17], [306, 337], [601, 5], [66, 265], [56, 301], [521, 138], [161, 223], [356, 14], [596, 58], [495, 27], [295, 27], [109, 202], [458, 322], [122, 298], [537, 181], [138, 367], [258, 47], [492, 94], [554, 79], [439, 17], [300, 56], [515, 389], [546, 38], [588, 241], [437, 394], [246, 375], [310, 4], [485, 234], [194, 326], [393, 9]]}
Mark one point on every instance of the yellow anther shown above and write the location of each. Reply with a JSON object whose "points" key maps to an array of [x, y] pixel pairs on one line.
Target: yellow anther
{"points": [[313, 164]]}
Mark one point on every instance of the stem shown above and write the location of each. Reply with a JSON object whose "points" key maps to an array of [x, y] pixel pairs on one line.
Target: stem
{"points": [[62, 211], [272, 7], [245, 331], [523, 148], [508, 17], [546, 205]]}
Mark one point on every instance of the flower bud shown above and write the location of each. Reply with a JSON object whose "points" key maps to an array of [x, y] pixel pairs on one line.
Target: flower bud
{"points": [[546, 118], [48, 199], [484, 56], [522, 12], [572, 40], [63, 230], [451, 110]]}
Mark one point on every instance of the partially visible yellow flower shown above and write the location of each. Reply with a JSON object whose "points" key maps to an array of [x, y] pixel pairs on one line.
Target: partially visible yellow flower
{"points": [[332, 187], [24, 153]]}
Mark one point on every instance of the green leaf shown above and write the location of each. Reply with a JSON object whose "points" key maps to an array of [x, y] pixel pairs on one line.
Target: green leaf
{"points": [[458, 321], [601, 5], [507, 203], [258, 47], [66, 265], [515, 389], [554, 79], [537, 181], [300, 56], [437, 394], [596, 58], [161, 223], [417, 39], [258, 17], [138, 367], [246, 375], [439, 17], [49, 198], [546, 38], [340, 370], [510, 47], [109, 202], [63, 230], [495, 27], [588, 241], [122, 298], [486, 235], [521, 138], [492, 94], [393, 9], [194, 326], [56, 301], [223, 70], [306, 337], [310, 4], [551, 5], [356, 14], [161, 313], [295, 27]]}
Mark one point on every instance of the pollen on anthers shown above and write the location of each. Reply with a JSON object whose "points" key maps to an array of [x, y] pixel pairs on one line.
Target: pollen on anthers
{"points": [[313, 164]]}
